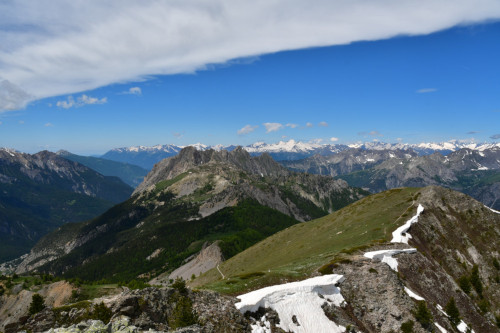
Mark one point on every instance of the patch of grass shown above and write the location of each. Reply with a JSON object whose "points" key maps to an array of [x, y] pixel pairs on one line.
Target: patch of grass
{"points": [[299, 250], [169, 182], [251, 275]]}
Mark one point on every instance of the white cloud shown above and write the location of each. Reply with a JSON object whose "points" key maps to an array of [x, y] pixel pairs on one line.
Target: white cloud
{"points": [[272, 127], [426, 90], [334, 139], [292, 125], [49, 125], [134, 91], [323, 124], [60, 47], [309, 125], [80, 101], [247, 129], [12, 97]]}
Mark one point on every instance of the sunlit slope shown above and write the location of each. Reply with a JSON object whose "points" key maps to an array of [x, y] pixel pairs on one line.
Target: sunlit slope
{"points": [[299, 250]]}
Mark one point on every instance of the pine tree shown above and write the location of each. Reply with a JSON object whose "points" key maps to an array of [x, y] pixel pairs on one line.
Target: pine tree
{"points": [[452, 312], [37, 304], [475, 280], [423, 315]]}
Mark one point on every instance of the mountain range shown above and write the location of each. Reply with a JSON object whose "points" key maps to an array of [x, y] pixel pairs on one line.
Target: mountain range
{"points": [[474, 172], [146, 157], [185, 201], [40, 192], [303, 252]]}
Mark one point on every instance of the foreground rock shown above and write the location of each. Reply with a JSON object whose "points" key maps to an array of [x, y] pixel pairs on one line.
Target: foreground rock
{"points": [[161, 310]]}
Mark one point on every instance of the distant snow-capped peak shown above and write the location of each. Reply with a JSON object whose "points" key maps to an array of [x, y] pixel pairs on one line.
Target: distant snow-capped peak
{"points": [[292, 146]]}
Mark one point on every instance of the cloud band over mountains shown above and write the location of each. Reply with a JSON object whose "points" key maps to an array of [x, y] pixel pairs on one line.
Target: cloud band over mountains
{"points": [[65, 47]]}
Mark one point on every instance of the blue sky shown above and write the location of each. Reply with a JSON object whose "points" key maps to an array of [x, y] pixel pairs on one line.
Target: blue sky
{"points": [[431, 86]]}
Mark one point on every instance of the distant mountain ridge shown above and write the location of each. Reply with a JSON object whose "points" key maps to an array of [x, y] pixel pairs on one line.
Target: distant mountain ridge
{"points": [[42, 191], [472, 171], [147, 156], [131, 174]]}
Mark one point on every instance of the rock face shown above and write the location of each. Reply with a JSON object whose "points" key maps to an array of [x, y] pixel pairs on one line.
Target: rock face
{"points": [[473, 172], [14, 306], [40, 192], [208, 258]]}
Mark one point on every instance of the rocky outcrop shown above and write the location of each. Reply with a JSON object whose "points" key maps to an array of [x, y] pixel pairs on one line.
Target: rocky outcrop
{"points": [[150, 309], [14, 305], [189, 158]]}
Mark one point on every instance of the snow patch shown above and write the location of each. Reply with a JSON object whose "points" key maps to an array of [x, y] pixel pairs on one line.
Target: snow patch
{"points": [[261, 326], [462, 327], [440, 308], [413, 295], [386, 256], [301, 299], [440, 328], [401, 234], [494, 211]]}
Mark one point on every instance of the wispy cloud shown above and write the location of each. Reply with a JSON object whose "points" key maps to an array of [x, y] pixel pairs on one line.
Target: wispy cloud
{"points": [[323, 124], [334, 139], [80, 101], [178, 134], [372, 133], [292, 125], [426, 90], [309, 125], [133, 91], [472, 132], [49, 125], [64, 46], [272, 127], [495, 137], [21, 122], [247, 129]]}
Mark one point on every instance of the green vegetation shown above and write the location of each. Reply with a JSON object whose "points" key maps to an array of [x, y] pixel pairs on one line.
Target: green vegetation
{"points": [[169, 182], [32, 208], [423, 315], [237, 227], [452, 312], [97, 312], [183, 314], [464, 284], [407, 326], [101, 312], [299, 250], [37, 304], [475, 280]]}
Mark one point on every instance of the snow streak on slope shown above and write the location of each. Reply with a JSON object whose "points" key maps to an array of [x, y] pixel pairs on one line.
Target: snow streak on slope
{"points": [[401, 235], [300, 299], [440, 328], [386, 256], [413, 295], [494, 211]]}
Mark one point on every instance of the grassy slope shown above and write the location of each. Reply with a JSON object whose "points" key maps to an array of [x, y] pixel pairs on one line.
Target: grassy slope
{"points": [[299, 250]]}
